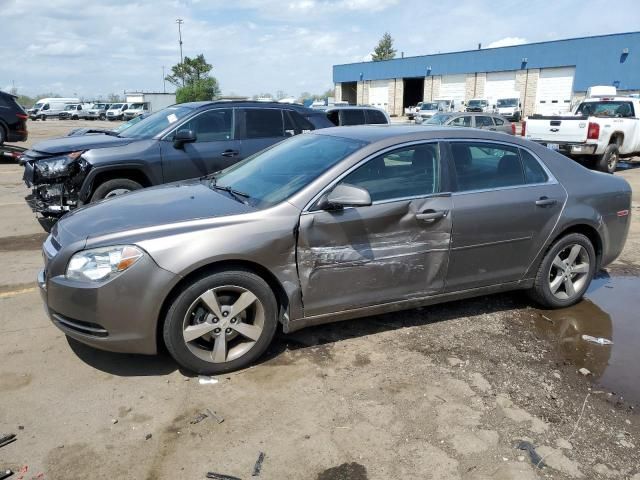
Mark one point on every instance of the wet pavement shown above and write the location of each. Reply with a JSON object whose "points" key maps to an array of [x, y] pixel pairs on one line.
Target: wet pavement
{"points": [[610, 311]]}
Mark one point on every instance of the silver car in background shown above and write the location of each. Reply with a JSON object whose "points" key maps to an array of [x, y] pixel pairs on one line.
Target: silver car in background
{"points": [[335, 224], [481, 120]]}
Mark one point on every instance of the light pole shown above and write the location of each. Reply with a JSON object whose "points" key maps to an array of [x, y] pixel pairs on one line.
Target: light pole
{"points": [[179, 21]]}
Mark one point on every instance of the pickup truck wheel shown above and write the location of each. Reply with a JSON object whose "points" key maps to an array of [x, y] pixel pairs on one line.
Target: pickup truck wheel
{"points": [[565, 272], [609, 160], [112, 188], [221, 322]]}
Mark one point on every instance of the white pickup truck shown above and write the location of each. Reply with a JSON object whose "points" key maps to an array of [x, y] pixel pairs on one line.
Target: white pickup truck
{"points": [[599, 132]]}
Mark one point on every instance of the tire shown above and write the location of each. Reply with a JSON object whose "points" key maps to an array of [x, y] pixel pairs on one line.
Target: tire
{"points": [[43, 117], [102, 116], [609, 160], [552, 272], [234, 350], [3, 135], [75, 117], [114, 187]]}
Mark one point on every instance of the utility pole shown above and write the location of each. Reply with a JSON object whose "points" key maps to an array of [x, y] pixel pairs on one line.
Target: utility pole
{"points": [[179, 21]]}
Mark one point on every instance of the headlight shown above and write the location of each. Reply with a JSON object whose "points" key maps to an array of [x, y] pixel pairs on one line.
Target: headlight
{"points": [[56, 166], [102, 263]]}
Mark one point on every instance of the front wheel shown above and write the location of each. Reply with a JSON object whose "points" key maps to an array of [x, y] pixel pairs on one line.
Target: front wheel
{"points": [[565, 272], [609, 160], [222, 322], [112, 188]]}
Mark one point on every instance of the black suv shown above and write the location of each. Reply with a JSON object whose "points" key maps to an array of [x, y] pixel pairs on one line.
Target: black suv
{"points": [[13, 119], [183, 141]]}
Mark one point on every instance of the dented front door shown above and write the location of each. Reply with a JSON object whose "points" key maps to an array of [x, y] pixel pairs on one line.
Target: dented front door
{"points": [[371, 255]]}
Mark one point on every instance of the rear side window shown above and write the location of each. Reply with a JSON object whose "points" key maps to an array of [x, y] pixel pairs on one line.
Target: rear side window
{"points": [[482, 166], [334, 117], [406, 172], [294, 123], [484, 121], [533, 171], [376, 117], [498, 121], [263, 122], [461, 121], [352, 116]]}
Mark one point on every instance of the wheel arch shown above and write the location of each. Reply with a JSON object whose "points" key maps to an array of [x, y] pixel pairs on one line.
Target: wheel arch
{"points": [[588, 231], [617, 138], [103, 175], [223, 265]]}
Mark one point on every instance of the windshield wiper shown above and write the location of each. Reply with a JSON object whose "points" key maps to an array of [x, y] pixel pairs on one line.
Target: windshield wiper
{"points": [[236, 194]]}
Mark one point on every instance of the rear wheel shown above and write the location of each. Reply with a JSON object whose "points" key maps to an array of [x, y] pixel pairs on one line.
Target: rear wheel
{"points": [[3, 135], [565, 272], [112, 188], [609, 160], [221, 323]]}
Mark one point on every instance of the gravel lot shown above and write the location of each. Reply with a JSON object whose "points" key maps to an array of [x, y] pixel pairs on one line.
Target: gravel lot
{"points": [[445, 392]]}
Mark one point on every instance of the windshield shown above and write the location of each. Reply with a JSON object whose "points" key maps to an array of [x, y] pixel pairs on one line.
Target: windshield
{"points": [[438, 119], [477, 103], [115, 106], [156, 123], [122, 127], [273, 175], [70, 107], [136, 106], [606, 109], [38, 105], [97, 106], [429, 106], [507, 102], [444, 104]]}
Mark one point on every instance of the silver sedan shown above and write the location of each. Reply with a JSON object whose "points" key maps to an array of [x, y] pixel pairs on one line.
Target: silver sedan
{"points": [[483, 121]]}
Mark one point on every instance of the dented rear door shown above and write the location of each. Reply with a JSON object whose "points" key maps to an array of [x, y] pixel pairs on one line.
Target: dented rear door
{"points": [[395, 249]]}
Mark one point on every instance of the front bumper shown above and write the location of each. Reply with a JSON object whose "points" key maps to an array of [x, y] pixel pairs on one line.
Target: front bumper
{"points": [[119, 315]]}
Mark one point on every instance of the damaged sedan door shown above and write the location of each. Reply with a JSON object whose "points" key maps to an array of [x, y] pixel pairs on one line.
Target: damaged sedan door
{"points": [[394, 249]]}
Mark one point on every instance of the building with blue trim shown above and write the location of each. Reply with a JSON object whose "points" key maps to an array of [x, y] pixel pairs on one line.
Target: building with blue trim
{"points": [[547, 76]]}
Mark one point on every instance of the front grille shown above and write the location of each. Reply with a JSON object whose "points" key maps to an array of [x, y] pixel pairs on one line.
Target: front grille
{"points": [[86, 328]]}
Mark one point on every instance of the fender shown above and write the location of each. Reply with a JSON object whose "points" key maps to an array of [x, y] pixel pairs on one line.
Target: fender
{"points": [[87, 184]]}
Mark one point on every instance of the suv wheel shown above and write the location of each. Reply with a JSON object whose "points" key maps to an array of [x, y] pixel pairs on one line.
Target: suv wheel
{"points": [[221, 323], [609, 160], [3, 135], [112, 188], [565, 272]]}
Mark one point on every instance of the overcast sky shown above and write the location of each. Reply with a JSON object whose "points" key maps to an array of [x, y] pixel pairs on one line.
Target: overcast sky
{"points": [[90, 47]]}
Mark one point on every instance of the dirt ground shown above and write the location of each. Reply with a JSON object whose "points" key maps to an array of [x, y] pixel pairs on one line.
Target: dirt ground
{"points": [[445, 392]]}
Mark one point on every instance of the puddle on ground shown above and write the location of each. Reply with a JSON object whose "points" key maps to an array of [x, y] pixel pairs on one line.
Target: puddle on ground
{"points": [[610, 310]]}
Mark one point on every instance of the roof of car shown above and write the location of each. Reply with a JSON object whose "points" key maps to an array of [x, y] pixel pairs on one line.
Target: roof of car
{"points": [[8, 94], [249, 103], [348, 107], [375, 133]]}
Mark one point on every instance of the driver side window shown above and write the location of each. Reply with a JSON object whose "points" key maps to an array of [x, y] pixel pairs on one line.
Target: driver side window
{"points": [[406, 172], [212, 125]]}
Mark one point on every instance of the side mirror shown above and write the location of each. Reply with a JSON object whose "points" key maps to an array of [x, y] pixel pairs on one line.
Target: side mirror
{"points": [[345, 195], [183, 136], [519, 105]]}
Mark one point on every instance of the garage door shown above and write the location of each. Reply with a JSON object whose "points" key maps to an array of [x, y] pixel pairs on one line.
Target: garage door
{"points": [[453, 86], [500, 85], [379, 94], [554, 90]]}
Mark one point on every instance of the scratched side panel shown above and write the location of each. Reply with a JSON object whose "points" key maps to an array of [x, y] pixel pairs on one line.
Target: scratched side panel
{"points": [[369, 255]]}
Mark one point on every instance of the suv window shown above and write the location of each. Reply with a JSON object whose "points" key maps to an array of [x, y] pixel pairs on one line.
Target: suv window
{"points": [[533, 171], [334, 117], [482, 121], [263, 122], [480, 166], [498, 121], [406, 172], [294, 123], [212, 125], [461, 121], [352, 116], [376, 117]]}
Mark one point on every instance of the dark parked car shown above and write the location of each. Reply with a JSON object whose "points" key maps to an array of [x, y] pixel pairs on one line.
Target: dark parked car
{"points": [[13, 120], [182, 141], [343, 115], [483, 121], [336, 224]]}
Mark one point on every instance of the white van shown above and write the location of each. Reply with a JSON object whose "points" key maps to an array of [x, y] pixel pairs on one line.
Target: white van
{"points": [[49, 107], [116, 111]]}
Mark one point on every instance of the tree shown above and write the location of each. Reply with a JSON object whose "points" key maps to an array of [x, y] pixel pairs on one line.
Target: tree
{"points": [[113, 98], [193, 80], [384, 50]]}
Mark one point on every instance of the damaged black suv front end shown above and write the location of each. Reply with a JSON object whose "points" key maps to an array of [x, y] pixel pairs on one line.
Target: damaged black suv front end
{"points": [[55, 180]]}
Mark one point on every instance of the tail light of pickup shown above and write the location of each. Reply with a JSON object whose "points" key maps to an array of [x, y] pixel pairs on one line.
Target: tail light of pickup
{"points": [[593, 132]]}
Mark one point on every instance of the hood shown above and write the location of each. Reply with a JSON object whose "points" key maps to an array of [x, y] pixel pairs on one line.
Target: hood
{"points": [[164, 204], [75, 143]]}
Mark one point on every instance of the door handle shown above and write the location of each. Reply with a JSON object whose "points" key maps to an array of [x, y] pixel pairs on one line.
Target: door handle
{"points": [[431, 216], [545, 202], [230, 153]]}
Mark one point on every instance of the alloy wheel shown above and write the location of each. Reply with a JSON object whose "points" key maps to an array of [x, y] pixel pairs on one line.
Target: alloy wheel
{"points": [[223, 324], [569, 272], [612, 162]]}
